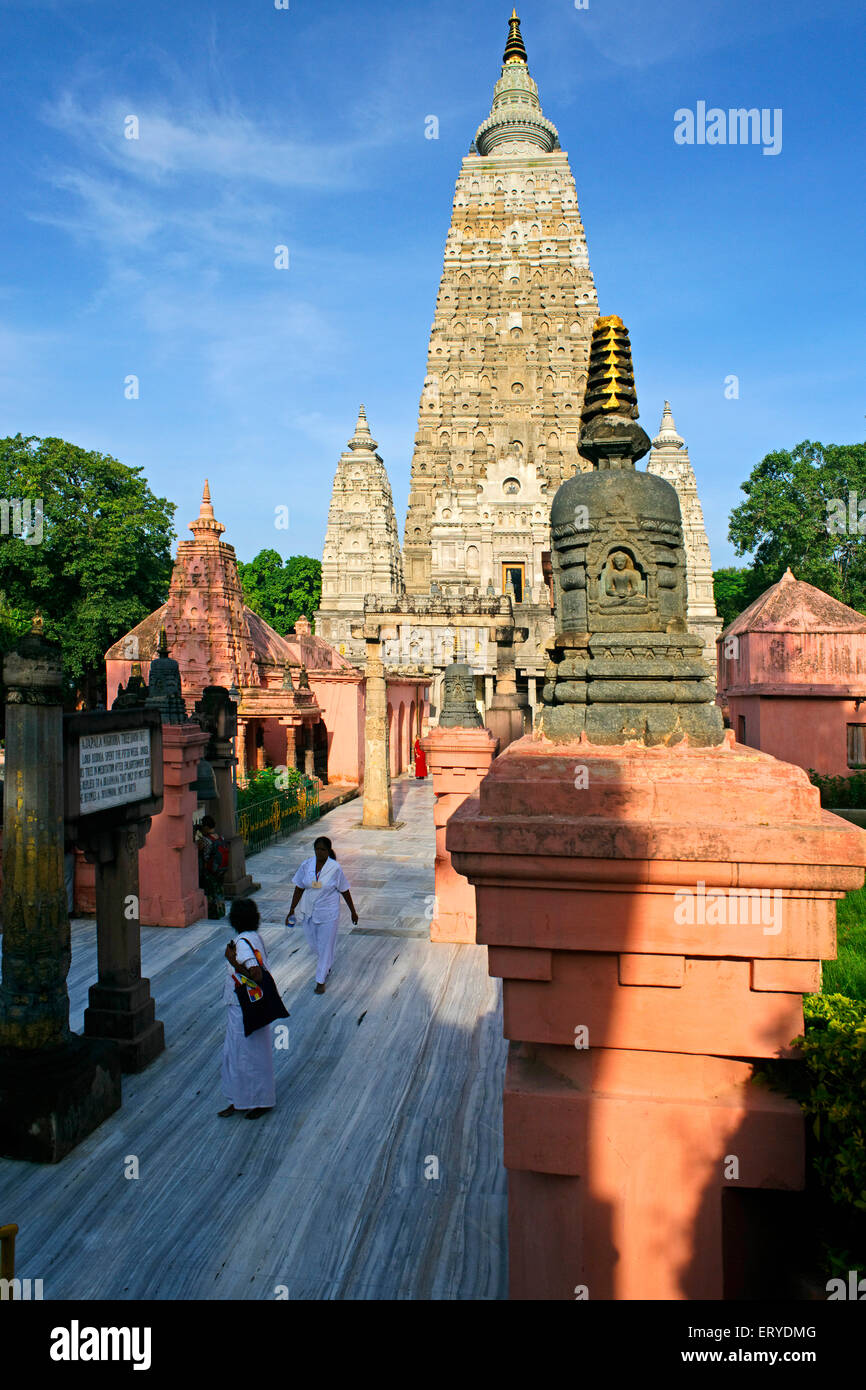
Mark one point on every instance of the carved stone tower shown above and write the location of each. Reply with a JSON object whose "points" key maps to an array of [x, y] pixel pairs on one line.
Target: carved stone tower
{"points": [[506, 369], [669, 458], [362, 543]]}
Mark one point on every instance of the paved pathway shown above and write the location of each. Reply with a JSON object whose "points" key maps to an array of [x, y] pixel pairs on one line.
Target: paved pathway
{"points": [[396, 1070]]}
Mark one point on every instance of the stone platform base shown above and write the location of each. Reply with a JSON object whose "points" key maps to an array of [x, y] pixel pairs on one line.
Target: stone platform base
{"points": [[51, 1100], [126, 1018]]}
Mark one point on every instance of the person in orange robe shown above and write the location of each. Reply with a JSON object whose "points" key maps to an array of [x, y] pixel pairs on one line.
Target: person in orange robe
{"points": [[420, 761]]}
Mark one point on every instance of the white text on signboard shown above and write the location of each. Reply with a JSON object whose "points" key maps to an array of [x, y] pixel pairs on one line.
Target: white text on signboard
{"points": [[114, 769]]}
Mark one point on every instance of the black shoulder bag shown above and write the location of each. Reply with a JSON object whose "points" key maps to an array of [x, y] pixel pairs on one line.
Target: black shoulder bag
{"points": [[260, 1004]]}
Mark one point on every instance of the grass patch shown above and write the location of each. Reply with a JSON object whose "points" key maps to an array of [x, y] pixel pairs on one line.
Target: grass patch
{"points": [[847, 974]]}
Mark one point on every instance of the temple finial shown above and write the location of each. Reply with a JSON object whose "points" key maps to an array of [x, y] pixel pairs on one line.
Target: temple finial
{"points": [[515, 49], [362, 438], [206, 522], [667, 436], [162, 649]]}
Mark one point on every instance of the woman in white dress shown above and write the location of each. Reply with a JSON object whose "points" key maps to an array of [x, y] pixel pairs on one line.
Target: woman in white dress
{"points": [[323, 881], [248, 1062]]}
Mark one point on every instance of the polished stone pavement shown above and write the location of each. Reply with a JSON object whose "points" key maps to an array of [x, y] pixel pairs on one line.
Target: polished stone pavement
{"points": [[395, 1072]]}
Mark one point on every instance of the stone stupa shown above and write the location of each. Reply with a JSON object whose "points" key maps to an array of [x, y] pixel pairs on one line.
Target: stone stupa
{"points": [[624, 666]]}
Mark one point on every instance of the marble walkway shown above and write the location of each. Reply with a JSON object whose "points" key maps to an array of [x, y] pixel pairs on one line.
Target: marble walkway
{"points": [[394, 1072]]}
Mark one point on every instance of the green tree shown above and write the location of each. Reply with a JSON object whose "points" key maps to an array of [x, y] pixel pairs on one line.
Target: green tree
{"points": [[734, 590], [280, 591], [803, 509], [96, 558]]}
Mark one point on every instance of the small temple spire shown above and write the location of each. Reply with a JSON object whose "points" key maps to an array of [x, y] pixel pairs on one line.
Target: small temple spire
{"points": [[515, 49], [362, 438], [667, 436], [206, 522]]}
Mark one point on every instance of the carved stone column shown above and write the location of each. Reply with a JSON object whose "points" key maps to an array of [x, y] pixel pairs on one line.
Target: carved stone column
{"points": [[506, 717], [378, 806], [121, 1008], [55, 1087]]}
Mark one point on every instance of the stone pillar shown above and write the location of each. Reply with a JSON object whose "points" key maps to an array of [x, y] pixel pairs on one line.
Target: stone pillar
{"points": [[488, 692], [656, 915], [291, 745], [241, 754], [506, 717], [55, 1087], [309, 751], [458, 759], [237, 882], [216, 712], [378, 808], [121, 1008], [532, 684], [170, 894]]}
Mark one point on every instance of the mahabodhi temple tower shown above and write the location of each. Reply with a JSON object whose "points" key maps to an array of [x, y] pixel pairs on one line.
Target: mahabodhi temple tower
{"points": [[498, 422], [506, 368]]}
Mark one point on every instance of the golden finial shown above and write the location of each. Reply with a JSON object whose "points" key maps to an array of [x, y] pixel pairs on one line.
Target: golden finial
{"points": [[610, 377], [515, 49]]}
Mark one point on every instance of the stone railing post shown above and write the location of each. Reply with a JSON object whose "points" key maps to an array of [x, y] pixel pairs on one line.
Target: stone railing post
{"points": [[458, 759], [656, 915]]}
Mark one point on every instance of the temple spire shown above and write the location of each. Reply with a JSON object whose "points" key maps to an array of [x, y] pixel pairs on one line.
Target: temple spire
{"points": [[362, 438], [206, 522], [667, 436], [516, 118], [515, 49]]}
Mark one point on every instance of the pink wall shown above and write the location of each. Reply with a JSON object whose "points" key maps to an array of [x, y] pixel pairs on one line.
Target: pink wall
{"points": [[793, 658], [275, 744], [809, 732], [342, 704]]}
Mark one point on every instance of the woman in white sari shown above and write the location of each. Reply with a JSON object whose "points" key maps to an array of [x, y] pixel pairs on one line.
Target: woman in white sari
{"points": [[248, 1062], [324, 883]]}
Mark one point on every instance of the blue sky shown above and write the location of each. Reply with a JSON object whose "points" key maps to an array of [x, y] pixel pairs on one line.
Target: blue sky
{"points": [[306, 127]]}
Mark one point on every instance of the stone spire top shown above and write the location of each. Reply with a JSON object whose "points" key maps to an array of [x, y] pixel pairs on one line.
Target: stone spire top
{"points": [[667, 437], [205, 523], [516, 122], [515, 49], [362, 438]]}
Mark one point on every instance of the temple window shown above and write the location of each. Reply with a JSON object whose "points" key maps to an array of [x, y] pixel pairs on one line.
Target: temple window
{"points": [[857, 745]]}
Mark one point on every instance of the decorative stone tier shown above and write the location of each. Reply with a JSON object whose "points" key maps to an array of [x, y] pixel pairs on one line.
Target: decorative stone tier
{"points": [[656, 915]]}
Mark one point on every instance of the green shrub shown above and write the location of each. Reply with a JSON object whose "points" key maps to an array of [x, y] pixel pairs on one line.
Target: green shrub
{"points": [[840, 791], [268, 782], [831, 1087]]}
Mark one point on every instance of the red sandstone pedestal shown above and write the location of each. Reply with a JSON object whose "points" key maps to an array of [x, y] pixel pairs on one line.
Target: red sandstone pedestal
{"points": [[168, 863], [458, 759], [656, 915]]}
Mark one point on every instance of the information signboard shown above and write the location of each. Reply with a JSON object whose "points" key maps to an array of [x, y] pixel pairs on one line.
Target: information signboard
{"points": [[114, 769]]}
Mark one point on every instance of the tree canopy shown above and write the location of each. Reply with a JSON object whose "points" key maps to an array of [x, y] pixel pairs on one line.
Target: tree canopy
{"points": [[805, 508], [281, 591], [91, 549], [734, 590]]}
